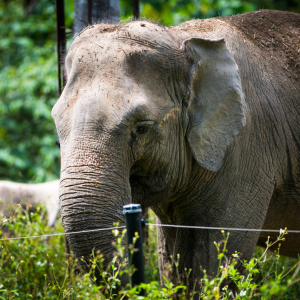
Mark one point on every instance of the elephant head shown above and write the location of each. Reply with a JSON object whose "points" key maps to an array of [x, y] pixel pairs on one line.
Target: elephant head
{"points": [[141, 111]]}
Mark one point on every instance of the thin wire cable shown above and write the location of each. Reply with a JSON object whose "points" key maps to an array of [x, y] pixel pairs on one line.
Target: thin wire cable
{"points": [[161, 225], [63, 233], [225, 228]]}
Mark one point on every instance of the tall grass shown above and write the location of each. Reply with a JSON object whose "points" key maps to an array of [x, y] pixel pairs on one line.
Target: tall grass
{"points": [[38, 269]]}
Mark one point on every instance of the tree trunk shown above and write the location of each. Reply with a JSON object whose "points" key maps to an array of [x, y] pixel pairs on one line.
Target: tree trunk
{"points": [[104, 11]]}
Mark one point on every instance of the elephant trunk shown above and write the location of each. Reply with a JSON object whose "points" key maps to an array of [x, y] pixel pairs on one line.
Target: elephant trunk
{"points": [[92, 198]]}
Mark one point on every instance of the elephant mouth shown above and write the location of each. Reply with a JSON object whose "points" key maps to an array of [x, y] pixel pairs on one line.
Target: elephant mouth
{"points": [[143, 187], [148, 182]]}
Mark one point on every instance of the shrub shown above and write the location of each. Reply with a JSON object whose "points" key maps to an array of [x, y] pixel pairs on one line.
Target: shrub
{"points": [[36, 268]]}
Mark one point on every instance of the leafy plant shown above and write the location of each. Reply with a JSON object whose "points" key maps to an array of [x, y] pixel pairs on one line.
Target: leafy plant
{"points": [[37, 268], [28, 91], [173, 12]]}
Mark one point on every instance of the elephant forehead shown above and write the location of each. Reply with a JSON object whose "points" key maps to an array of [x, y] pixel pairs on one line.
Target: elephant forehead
{"points": [[114, 63], [136, 31], [117, 101], [103, 45], [118, 71], [87, 59]]}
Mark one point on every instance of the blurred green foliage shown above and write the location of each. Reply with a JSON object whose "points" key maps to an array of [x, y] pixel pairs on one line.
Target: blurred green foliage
{"points": [[173, 12], [28, 72], [28, 90]]}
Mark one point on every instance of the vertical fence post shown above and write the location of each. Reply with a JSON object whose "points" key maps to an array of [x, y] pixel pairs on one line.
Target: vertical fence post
{"points": [[61, 44], [90, 10], [132, 214], [136, 9], [61, 52], [145, 234]]}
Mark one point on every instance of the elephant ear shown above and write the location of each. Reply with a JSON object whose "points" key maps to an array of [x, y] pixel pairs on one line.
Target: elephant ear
{"points": [[217, 108]]}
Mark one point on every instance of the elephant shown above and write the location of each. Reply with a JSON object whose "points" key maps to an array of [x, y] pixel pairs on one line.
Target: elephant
{"points": [[46, 193], [198, 121]]}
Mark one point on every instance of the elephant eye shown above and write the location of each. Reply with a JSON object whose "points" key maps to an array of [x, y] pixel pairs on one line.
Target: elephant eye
{"points": [[143, 126], [142, 129]]}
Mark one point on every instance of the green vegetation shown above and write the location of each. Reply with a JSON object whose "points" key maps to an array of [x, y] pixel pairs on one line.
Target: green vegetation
{"points": [[28, 90], [173, 12], [38, 269]]}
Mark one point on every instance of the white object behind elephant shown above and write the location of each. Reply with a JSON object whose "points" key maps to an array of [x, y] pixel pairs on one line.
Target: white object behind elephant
{"points": [[41, 193]]}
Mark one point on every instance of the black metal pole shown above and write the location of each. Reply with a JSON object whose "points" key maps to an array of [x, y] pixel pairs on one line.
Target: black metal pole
{"points": [[90, 9], [145, 234], [136, 9], [61, 43], [132, 214], [61, 51]]}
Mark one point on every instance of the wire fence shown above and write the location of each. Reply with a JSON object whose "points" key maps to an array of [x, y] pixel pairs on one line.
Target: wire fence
{"points": [[226, 228], [158, 225], [62, 233]]}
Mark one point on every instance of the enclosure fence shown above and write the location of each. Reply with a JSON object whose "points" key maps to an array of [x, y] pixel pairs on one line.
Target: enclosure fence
{"points": [[157, 225], [133, 226]]}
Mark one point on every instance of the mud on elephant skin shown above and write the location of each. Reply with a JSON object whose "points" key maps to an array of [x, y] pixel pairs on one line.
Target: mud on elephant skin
{"points": [[200, 122]]}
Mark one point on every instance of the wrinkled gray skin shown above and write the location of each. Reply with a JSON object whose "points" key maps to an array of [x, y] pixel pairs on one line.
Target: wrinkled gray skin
{"points": [[46, 193], [196, 122]]}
